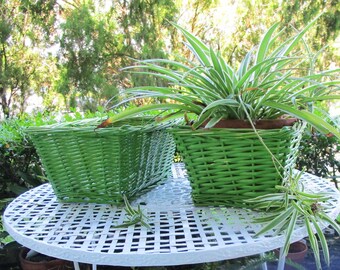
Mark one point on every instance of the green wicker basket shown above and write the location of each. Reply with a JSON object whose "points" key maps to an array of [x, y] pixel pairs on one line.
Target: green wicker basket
{"points": [[85, 164], [227, 166]]}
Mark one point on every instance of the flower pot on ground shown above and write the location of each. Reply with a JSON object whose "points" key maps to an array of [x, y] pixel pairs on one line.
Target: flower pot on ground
{"points": [[41, 262], [297, 251], [296, 254]]}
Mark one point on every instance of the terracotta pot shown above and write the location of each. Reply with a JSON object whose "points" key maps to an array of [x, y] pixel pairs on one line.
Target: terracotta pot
{"points": [[297, 253], [47, 263], [260, 124]]}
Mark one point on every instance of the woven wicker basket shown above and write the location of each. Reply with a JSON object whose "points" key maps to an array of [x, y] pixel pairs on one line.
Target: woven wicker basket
{"points": [[228, 166], [88, 165]]}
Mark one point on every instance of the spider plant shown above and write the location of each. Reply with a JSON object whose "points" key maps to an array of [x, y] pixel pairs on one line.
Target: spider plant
{"points": [[274, 79], [292, 207]]}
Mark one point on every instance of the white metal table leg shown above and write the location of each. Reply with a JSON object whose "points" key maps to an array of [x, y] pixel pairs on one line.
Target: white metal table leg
{"points": [[263, 265], [76, 266], [282, 260]]}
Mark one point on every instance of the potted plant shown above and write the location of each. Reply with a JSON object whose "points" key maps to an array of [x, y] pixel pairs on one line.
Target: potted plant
{"points": [[275, 81], [241, 143]]}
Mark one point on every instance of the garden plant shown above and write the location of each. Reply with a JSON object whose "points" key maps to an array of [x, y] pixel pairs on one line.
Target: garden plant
{"points": [[277, 79]]}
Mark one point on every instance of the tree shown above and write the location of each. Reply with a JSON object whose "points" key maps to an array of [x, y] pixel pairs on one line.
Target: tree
{"points": [[21, 59], [293, 14], [91, 40], [89, 47], [298, 13], [147, 31]]}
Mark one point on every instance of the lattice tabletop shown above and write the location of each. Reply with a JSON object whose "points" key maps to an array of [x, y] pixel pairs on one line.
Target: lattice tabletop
{"points": [[181, 233]]}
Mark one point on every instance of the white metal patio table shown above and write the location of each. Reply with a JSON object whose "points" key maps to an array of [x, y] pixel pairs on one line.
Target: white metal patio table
{"points": [[181, 232]]}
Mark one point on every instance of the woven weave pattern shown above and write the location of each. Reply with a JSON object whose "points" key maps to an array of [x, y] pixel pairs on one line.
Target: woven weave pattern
{"points": [[228, 166], [84, 164]]}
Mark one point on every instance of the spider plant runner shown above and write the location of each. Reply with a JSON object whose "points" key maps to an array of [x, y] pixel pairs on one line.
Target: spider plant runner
{"points": [[277, 79]]}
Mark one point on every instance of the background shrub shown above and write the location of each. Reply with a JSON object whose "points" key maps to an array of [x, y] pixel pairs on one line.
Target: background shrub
{"points": [[320, 155], [20, 167]]}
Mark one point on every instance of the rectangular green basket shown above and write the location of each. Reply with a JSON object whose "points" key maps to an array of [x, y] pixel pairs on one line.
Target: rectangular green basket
{"points": [[85, 164], [228, 166]]}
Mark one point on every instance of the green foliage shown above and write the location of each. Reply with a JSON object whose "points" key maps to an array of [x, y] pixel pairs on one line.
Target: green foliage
{"points": [[22, 66], [265, 85], [294, 206], [78, 47], [318, 154], [293, 14], [20, 167], [4, 236], [42, 13], [150, 35], [134, 216], [149, 28], [255, 263], [87, 46]]}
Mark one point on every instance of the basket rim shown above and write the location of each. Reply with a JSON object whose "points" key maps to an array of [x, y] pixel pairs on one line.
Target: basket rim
{"points": [[90, 124], [207, 131]]}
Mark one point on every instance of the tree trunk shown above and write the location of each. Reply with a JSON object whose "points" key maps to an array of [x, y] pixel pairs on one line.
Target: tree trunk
{"points": [[4, 103]]}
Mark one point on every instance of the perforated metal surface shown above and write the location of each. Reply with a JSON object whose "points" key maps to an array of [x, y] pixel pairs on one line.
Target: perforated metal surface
{"points": [[181, 233]]}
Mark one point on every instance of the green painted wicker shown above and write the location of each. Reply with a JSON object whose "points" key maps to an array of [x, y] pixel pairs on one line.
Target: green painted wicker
{"points": [[228, 166], [88, 165]]}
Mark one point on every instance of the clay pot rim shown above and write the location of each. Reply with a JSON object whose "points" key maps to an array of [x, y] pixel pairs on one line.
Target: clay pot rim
{"points": [[300, 246], [298, 255]]}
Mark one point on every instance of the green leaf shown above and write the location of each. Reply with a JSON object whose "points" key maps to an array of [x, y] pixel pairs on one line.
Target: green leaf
{"points": [[221, 102], [256, 68], [277, 221], [314, 243], [212, 122], [289, 231], [319, 196], [265, 42], [196, 46], [200, 54], [151, 107], [326, 218], [322, 98], [306, 116], [322, 239], [15, 188], [299, 36], [202, 119], [216, 62], [244, 64], [298, 208], [189, 35], [165, 93]]}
